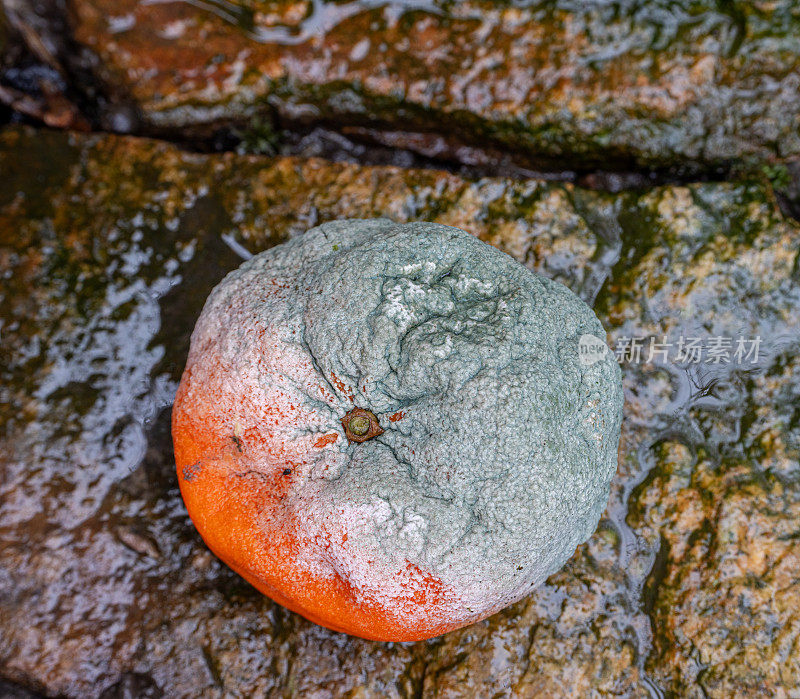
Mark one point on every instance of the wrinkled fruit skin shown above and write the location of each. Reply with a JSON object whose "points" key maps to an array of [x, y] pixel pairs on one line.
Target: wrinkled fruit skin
{"points": [[498, 443]]}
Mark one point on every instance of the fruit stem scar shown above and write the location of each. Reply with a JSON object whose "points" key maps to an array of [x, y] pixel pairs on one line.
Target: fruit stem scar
{"points": [[360, 425]]}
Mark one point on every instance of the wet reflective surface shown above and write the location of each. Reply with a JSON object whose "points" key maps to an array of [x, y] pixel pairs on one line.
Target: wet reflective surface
{"points": [[108, 249], [694, 86]]}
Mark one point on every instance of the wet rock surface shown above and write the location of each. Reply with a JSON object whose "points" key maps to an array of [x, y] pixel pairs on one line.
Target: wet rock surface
{"points": [[719, 503], [33, 85], [688, 86], [108, 249]]}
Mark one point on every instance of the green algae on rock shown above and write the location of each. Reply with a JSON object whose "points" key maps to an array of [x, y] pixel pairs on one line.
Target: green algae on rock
{"points": [[684, 84], [717, 509], [497, 447], [728, 542]]}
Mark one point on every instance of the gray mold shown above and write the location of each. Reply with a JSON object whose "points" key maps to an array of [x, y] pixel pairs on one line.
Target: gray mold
{"points": [[502, 461]]}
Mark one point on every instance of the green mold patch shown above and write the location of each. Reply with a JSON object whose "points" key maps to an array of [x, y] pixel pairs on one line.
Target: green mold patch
{"points": [[502, 461]]}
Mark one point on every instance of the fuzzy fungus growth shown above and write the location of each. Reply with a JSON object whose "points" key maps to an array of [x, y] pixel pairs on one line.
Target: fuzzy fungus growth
{"points": [[418, 441]]}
